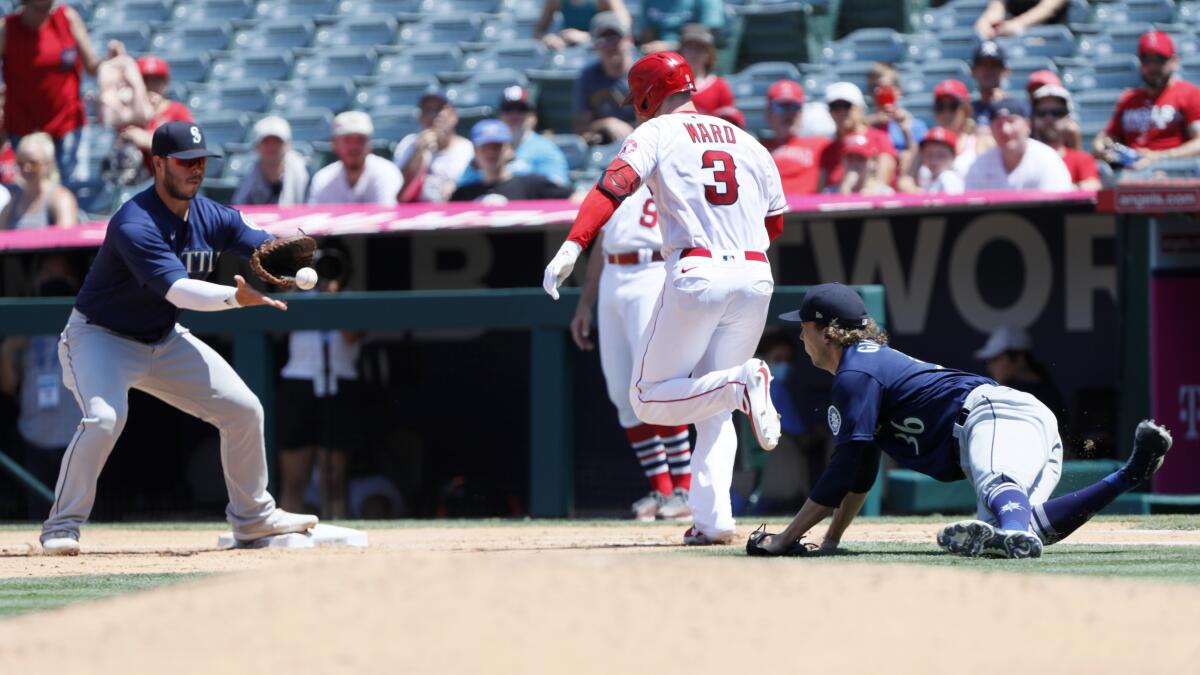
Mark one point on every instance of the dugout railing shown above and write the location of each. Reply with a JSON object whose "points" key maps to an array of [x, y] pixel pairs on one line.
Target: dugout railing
{"points": [[551, 484]]}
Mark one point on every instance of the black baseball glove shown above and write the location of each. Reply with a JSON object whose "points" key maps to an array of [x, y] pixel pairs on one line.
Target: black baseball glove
{"points": [[754, 546], [278, 260]]}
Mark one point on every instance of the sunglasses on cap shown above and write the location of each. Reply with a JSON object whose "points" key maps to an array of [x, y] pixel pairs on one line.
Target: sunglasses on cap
{"points": [[1056, 113]]}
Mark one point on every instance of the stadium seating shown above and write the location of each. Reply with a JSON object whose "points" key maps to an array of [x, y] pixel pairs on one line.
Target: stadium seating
{"points": [[310, 124], [333, 93], [574, 148], [1021, 67], [371, 30], [247, 96], [214, 34], [404, 90], [131, 12], [868, 44], [485, 88], [277, 34], [1095, 105], [343, 62], [223, 126], [1046, 41], [202, 10], [421, 60], [395, 122], [254, 64]]}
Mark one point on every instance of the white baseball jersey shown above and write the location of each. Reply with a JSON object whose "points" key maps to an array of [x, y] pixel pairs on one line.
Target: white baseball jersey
{"points": [[633, 226], [713, 183]]}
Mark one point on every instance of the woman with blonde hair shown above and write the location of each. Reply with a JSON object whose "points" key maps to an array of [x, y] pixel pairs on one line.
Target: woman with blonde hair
{"points": [[39, 199], [951, 111]]}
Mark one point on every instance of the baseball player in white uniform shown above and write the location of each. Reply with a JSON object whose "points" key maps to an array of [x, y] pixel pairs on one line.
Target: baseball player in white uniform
{"points": [[629, 275], [720, 203]]}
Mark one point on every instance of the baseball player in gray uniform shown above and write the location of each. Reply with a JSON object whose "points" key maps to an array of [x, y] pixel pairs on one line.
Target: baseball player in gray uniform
{"points": [[122, 334]]}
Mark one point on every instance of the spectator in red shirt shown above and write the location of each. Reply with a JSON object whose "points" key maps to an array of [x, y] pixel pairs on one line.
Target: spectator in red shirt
{"points": [[1161, 119], [848, 109], [156, 74], [797, 157], [698, 47], [45, 49], [8, 156], [1052, 123]]}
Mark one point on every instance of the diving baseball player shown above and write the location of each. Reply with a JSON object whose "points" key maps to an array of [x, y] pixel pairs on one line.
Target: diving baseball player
{"points": [[946, 424], [629, 275], [720, 203], [122, 334]]}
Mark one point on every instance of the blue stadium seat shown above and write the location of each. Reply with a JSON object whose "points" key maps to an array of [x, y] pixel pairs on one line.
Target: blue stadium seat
{"points": [[223, 126], [1095, 105], [83, 7], [766, 72], [508, 28], [207, 10], [237, 165], [554, 101], [1048, 41], [422, 60], [572, 58], [248, 96], [1148, 11], [485, 88], [574, 148], [443, 29], [953, 43], [130, 12], [395, 122], [517, 55], [278, 34], [854, 72], [932, 72], [363, 31], [365, 7], [957, 14], [188, 66], [136, 38], [1116, 71], [867, 44], [463, 6], [310, 124], [348, 62], [336, 94], [1079, 11], [1184, 37], [1115, 39], [254, 64], [1022, 67], [1188, 12], [404, 90], [600, 156], [287, 9], [94, 197], [921, 107], [755, 110], [215, 34]]}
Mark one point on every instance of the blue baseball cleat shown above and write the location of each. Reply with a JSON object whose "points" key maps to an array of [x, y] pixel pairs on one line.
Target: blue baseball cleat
{"points": [[1150, 445], [978, 539]]}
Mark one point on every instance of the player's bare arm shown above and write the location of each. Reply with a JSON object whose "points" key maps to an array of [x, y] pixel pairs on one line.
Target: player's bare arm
{"points": [[581, 325], [851, 504]]}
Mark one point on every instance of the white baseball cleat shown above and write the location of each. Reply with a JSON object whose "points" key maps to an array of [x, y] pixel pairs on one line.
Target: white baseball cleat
{"points": [[645, 509], [978, 539], [279, 522], [675, 507], [759, 408], [60, 543]]}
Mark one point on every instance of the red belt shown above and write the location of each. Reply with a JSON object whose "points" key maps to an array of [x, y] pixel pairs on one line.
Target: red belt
{"points": [[705, 253], [632, 258]]}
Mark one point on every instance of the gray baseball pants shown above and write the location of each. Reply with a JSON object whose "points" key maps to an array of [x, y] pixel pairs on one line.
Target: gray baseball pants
{"points": [[100, 367]]}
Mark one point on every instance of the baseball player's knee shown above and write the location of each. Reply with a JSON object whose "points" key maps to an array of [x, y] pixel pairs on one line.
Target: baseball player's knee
{"points": [[646, 411]]}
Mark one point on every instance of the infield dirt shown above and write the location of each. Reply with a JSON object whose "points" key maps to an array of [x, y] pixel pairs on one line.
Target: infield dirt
{"points": [[587, 599]]}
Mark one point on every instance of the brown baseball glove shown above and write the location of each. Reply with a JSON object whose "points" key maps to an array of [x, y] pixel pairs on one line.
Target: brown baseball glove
{"points": [[278, 260]]}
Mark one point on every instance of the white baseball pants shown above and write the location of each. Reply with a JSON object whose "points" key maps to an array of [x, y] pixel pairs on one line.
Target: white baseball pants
{"points": [[628, 294], [100, 367], [707, 323], [1008, 433]]}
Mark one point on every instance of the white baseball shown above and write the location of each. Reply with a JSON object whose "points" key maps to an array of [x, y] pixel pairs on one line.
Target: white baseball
{"points": [[306, 278]]}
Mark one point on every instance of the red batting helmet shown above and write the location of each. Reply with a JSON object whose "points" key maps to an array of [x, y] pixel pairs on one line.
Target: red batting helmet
{"points": [[655, 77]]}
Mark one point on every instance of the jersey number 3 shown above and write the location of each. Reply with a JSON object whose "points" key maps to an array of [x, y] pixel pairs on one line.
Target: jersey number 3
{"points": [[725, 191]]}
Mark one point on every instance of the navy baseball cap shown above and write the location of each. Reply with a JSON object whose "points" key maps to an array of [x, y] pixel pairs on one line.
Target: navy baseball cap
{"points": [[827, 303], [989, 49], [181, 140], [1010, 105]]}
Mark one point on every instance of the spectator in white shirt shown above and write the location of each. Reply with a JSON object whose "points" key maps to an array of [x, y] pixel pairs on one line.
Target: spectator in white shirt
{"points": [[1017, 162], [937, 158], [357, 177], [434, 158]]}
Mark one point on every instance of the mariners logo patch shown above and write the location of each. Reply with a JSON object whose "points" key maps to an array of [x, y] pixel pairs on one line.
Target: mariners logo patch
{"points": [[835, 420]]}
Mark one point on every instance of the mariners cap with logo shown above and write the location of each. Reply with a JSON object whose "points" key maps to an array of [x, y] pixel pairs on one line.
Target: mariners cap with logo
{"points": [[353, 122], [1039, 79], [941, 135], [607, 22], [181, 140], [515, 98], [860, 145], [785, 91], [844, 91], [989, 50], [1005, 339], [830, 303], [1156, 42], [490, 131], [1010, 105], [952, 89], [153, 66]]}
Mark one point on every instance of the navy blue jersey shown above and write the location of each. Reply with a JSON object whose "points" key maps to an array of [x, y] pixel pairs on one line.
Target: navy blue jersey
{"points": [[904, 406], [146, 249]]}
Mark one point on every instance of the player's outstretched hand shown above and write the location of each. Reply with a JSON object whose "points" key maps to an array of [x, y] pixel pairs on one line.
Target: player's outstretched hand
{"points": [[248, 296], [581, 328], [560, 267]]}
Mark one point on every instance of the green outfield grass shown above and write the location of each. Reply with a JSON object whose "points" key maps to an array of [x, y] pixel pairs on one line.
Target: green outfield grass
{"points": [[27, 594]]}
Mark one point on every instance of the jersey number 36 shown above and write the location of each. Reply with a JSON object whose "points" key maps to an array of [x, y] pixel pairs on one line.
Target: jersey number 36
{"points": [[724, 190]]}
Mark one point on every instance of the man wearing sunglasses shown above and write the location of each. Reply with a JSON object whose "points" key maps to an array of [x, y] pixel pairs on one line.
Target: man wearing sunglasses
{"points": [[1161, 118], [159, 248], [1052, 123]]}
